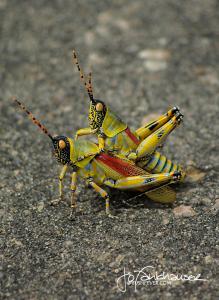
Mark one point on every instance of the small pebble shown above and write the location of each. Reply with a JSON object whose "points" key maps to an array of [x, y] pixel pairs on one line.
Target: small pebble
{"points": [[154, 66], [165, 221], [205, 201], [155, 54], [155, 59], [184, 211], [216, 205], [194, 174], [208, 259], [40, 206], [68, 244]]}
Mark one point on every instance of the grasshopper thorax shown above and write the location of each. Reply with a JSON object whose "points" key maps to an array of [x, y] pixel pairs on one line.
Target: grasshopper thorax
{"points": [[61, 149], [97, 113]]}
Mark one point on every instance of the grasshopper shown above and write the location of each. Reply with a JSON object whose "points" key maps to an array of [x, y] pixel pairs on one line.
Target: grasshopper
{"points": [[97, 168], [114, 135]]}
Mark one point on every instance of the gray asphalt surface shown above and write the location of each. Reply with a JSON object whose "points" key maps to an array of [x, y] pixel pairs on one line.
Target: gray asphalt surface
{"points": [[145, 57]]}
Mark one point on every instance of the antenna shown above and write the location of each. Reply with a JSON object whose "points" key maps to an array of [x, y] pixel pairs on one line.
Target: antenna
{"points": [[82, 77], [32, 118]]}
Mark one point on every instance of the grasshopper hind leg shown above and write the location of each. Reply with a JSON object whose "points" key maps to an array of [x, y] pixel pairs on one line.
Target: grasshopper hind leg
{"points": [[150, 144], [154, 186], [147, 129], [144, 182]]}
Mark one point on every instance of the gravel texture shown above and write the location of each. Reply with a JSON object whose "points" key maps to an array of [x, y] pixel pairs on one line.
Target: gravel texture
{"points": [[145, 57]]}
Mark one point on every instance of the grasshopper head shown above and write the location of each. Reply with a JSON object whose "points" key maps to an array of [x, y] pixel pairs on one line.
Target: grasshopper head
{"points": [[97, 109], [97, 113], [61, 144], [61, 150]]}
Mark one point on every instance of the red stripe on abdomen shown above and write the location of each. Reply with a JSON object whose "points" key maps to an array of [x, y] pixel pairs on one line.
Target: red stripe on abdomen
{"points": [[120, 166]]}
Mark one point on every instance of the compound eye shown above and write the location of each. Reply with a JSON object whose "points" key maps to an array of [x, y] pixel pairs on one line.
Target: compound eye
{"points": [[62, 144], [99, 106]]}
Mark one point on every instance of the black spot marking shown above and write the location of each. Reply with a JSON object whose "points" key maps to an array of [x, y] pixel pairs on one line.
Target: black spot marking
{"points": [[153, 125], [160, 134]]}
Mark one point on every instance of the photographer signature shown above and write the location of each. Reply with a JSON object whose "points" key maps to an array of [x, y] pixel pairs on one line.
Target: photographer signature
{"points": [[143, 277]]}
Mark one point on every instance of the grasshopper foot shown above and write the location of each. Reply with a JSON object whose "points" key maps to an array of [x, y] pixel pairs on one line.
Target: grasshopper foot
{"points": [[112, 216], [72, 215], [55, 202], [176, 110], [108, 211], [179, 117], [74, 212]]}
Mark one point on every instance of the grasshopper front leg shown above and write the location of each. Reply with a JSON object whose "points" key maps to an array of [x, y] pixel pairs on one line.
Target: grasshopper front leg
{"points": [[73, 196], [88, 131], [61, 176], [85, 131], [101, 143]]}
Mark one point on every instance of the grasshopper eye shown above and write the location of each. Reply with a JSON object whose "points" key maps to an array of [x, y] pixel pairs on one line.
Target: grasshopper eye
{"points": [[99, 106], [62, 144]]}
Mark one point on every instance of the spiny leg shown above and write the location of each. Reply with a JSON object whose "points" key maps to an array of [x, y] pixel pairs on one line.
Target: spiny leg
{"points": [[103, 194], [146, 130], [61, 176], [144, 182], [149, 145]]}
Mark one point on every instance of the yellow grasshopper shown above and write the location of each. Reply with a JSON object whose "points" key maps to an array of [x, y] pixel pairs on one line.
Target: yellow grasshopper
{"points": [[115, 136], [84, 159]]}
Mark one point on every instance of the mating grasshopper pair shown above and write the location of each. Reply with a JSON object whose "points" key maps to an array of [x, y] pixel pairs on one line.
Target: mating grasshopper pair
{"points": [[122, 159]]}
